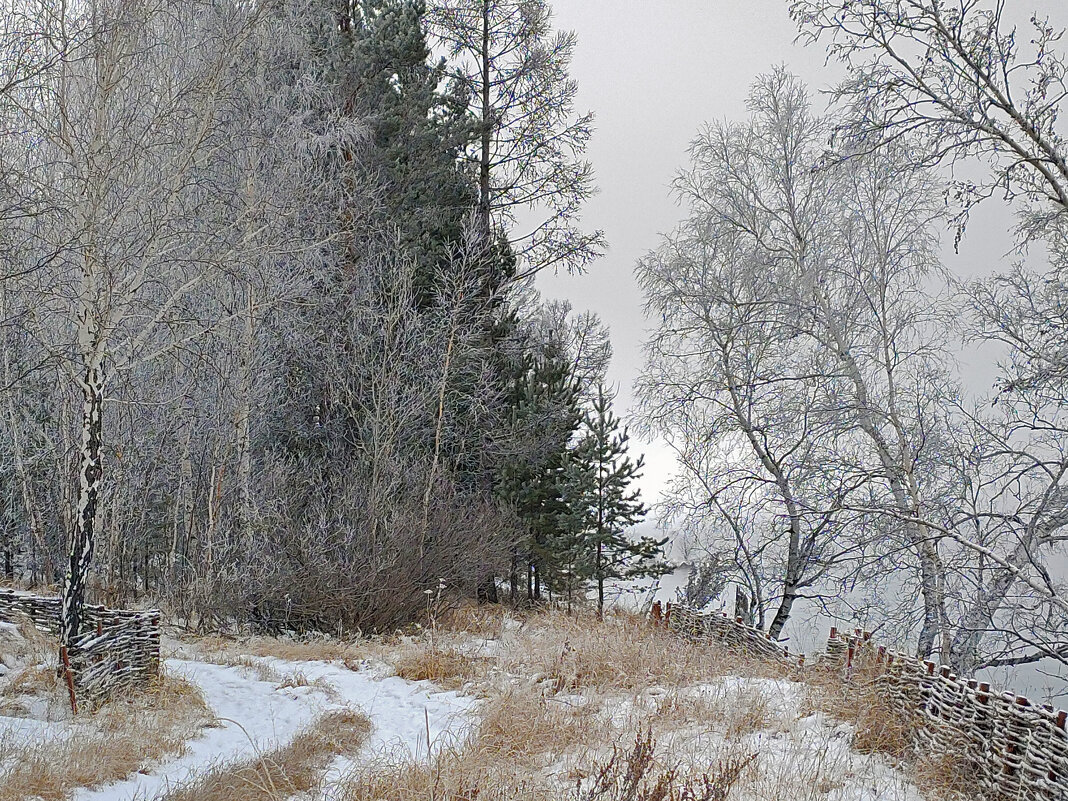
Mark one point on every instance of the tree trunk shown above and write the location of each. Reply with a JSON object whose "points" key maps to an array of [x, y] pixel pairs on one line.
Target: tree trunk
{"points": [[906, 498], [244, 427], [782, 614], [443, 388], [90, 473], [600, 580], [484, 200], [513, 577]]}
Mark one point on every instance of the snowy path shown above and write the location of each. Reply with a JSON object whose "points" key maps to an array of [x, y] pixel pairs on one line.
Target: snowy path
{"points": [[271, 716]]}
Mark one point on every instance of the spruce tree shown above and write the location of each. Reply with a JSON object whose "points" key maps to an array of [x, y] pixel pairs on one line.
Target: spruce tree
{"points": [[417, 133], [569, 561], [544, 417]]}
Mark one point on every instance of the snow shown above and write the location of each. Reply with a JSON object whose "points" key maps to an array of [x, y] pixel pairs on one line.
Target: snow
{"points": [[257, 715], [257, 712], [810, 755]]}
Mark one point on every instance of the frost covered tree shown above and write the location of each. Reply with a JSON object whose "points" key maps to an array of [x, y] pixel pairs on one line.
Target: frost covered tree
{"points": [[140, 226], [792, 297], [962, 84], [416, 131], [512, 69], [959, 81]]}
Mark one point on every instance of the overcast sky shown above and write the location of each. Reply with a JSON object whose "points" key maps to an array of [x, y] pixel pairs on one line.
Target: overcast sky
{"points": [[653, 72]]}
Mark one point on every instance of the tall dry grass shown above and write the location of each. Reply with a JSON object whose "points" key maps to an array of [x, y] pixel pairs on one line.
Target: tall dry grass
{"points": [[622, 652], [126, 734], [284, 772], [564, 695], [291, 649]]}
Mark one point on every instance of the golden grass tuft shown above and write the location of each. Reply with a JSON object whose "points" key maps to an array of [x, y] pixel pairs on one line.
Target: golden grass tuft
{"points": [[123, 736], [426, 660], [879, 725], [468, 617], [951, 777], [284, 772], [456, 774], [623, 652], [523, 726]]}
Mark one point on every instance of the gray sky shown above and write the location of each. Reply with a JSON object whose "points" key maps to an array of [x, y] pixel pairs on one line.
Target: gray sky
{"points": [[653, 73]]}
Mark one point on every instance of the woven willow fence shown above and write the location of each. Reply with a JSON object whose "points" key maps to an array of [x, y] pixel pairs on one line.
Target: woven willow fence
{"points": [[117, 648], [1019, 750]]}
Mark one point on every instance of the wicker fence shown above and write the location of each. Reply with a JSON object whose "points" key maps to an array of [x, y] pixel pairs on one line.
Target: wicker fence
{"points": [[116, 649], [1019, 750]]}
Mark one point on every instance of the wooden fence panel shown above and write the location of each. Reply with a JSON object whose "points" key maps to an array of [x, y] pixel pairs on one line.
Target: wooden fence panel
{"points": [[1019, 750], [117, 649]]}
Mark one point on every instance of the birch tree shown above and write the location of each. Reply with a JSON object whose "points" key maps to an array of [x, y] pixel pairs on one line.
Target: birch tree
{"points": [[965, 82], [959, 81], [842, 251], [142, 224]]}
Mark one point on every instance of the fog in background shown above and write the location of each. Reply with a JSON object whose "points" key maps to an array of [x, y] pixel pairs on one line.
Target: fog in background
{"points": [[654, 73]]}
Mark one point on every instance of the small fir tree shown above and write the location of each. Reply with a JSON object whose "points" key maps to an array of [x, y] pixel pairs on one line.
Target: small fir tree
{"points": [[615, 504], [572, 564]]}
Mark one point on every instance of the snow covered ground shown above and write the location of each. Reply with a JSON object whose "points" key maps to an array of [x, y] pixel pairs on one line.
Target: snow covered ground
{"points": [[256, 713], [256, 716], [261, 703]]}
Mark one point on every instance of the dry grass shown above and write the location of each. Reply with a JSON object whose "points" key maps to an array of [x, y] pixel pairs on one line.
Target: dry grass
{"points": [[522, 726], [520, 734], [623, 652], [255, 667], [635, 775], [879, 726], [296, 768], [483, 620], [564, 696], [735, 712], [119, 739], [309, 649], [952, 778], [517, 755], [35, 651], [882, 727], [430, 661]]}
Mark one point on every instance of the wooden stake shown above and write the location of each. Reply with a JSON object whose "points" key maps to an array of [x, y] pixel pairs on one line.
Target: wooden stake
{"points": [[70, 678]]}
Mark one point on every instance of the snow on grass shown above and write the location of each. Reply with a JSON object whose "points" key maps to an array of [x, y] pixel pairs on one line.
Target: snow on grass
{"points": [[798, 756], [256, 716]]}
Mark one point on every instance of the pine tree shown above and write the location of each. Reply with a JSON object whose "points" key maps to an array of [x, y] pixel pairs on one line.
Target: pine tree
{"points": [[545, 415], [512, 68], [615, 505], [569, 560]]}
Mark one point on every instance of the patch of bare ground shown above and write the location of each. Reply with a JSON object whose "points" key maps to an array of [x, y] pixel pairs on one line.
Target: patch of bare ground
{"points": [[120, 738], [284, 772], [292, 649]]}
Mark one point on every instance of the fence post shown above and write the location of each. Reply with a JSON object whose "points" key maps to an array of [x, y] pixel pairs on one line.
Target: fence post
{"points": [[65, 659]]}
